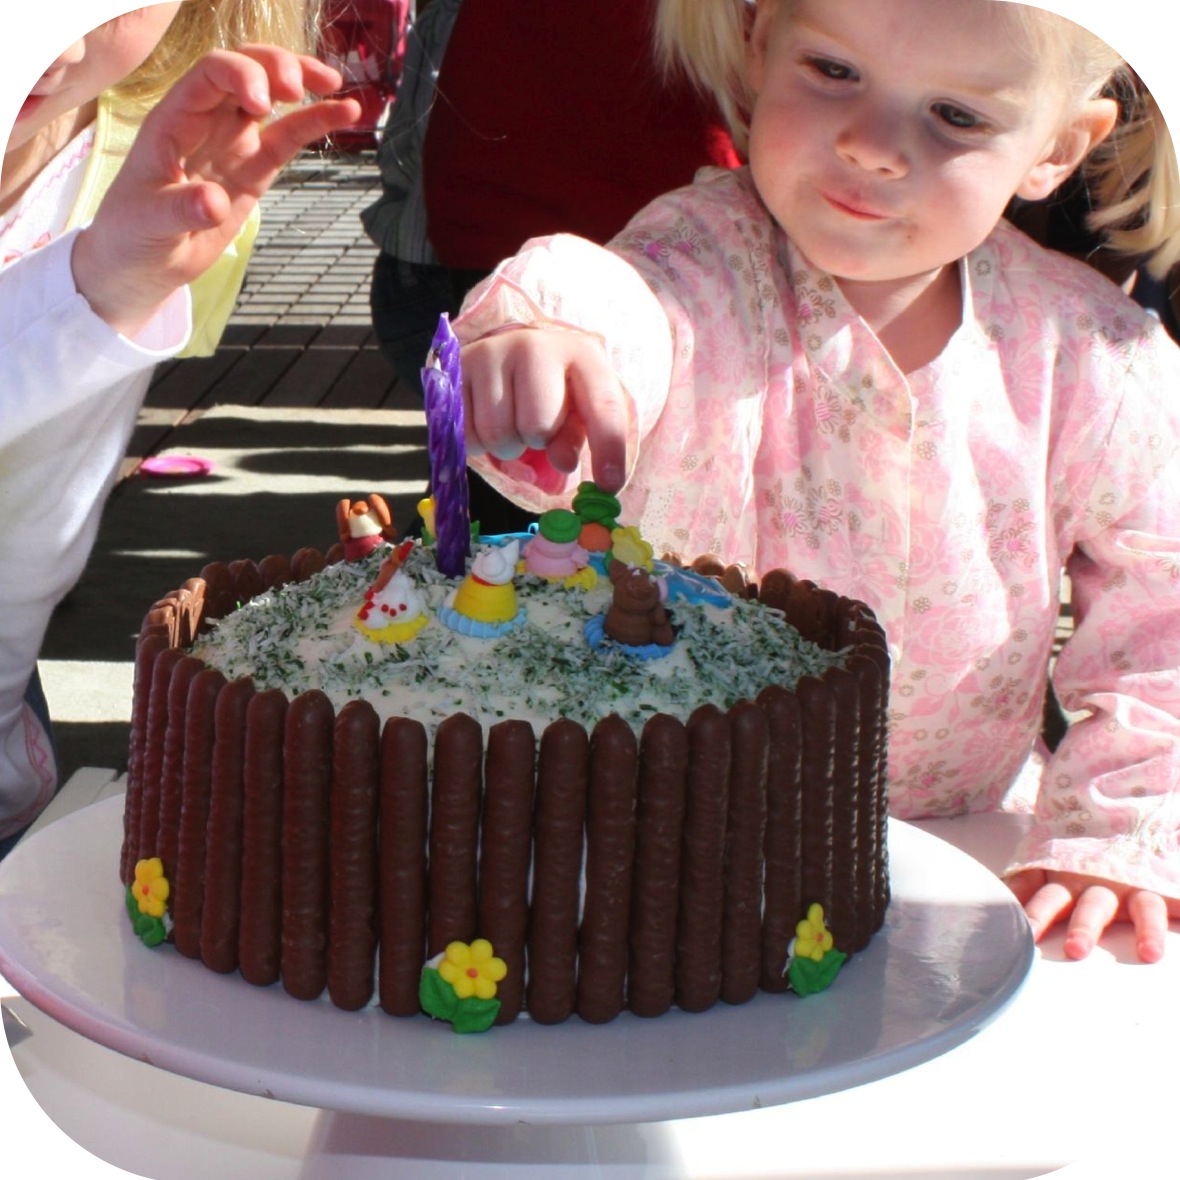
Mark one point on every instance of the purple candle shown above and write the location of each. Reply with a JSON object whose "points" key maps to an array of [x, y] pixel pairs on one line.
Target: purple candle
{"points": [[442, 383]]}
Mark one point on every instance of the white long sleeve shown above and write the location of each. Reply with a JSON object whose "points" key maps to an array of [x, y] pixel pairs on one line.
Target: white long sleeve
{"points": [[70, 390]]}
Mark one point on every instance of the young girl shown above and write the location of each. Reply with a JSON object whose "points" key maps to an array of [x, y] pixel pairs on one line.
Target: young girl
{"points": [[842, 360], [86, 310]]}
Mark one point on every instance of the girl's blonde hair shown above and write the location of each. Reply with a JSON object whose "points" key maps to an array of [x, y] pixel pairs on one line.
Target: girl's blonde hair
{"points": [[201, 26], [1132, 175]]}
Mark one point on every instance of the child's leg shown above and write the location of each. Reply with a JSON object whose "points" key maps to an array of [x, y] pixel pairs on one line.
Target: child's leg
{"points": [[39, 736]]}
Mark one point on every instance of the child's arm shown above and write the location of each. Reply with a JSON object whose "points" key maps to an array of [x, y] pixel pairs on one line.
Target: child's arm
{"points": [[567, 359], [201, 161], [551, 391], [1105, 842]]}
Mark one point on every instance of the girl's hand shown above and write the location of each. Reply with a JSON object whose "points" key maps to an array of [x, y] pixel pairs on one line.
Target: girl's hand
{"points": [[1091, 905], [552, 391], [201, 160]]}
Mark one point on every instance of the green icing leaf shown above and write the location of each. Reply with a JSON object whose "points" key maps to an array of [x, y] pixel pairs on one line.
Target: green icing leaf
{"points": [[436, 996], [807, 977], [438, 999], [475, 1015], [150, 931]]}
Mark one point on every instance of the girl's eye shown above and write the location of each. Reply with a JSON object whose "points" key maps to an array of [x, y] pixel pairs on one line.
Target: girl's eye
{"points": [[956, 117], [834, 70]]}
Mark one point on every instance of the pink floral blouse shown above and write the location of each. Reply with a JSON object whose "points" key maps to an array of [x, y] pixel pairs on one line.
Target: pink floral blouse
{"points": [[769, 426]]}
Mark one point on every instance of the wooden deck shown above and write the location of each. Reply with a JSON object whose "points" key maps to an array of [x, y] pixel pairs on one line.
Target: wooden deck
{"points": [[300, 336]]}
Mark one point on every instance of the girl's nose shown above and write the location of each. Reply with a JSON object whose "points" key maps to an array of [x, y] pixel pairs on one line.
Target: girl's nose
{"points": [[873, 143]]}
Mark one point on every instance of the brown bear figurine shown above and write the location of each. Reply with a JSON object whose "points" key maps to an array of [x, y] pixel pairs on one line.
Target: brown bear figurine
{"points": [[636, 616]]}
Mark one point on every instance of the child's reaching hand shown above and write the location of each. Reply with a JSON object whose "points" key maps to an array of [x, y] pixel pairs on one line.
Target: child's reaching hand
{"points": [[546, 390], [1089, 905], [202, 159]]}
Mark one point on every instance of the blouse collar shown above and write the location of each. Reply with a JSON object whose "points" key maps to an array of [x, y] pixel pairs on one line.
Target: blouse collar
{"points": [[829, 327]]}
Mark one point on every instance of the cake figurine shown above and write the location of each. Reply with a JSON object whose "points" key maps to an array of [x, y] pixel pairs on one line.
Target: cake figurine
{"points": [[598, 511], [426, 512], [363, 525], [636, 616], [629, 547], [394, 610], [484, 602], [554, 552]]}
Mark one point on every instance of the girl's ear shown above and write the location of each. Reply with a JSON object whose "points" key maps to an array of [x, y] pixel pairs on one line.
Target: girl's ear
{"points": [[757, 45], [1070, 148]]}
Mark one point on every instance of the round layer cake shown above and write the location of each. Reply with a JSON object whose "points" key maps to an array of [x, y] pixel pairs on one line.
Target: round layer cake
{"points": [[347, 769]]}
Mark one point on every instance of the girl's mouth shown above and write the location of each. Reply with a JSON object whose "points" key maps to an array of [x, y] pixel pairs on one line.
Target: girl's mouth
{"points": [[29, 106], [851, 207]]}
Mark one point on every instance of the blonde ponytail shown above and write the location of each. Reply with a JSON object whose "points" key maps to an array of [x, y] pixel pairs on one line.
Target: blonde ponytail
{"points": [[1134, 186]]}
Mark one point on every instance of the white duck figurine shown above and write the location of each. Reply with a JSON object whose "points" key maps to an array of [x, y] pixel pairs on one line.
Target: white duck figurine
{"points": [[394, 610]]}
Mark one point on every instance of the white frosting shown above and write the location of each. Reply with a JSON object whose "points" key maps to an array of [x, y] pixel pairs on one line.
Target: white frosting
{"points": [[303, 636]]}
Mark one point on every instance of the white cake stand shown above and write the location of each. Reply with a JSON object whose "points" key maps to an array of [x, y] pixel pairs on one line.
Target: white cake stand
{"points": [[954, 950]]}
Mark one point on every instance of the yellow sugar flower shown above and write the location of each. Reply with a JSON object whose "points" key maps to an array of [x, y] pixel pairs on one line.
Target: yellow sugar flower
{"points": [[813, 938], [631, 549], [472, 970], [151, 887]]}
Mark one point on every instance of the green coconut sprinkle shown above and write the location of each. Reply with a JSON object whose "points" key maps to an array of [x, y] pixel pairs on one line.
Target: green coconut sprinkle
{"points": [[302, 636]]}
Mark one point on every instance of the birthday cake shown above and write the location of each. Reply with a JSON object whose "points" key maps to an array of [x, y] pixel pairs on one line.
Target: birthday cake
{"points": [[558, 777]]}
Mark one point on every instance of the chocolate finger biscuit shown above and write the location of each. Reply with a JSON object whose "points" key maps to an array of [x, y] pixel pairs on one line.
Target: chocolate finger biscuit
{"points": [[219, 595], [454, 831], [403, 834], [275, 571], [223, 854], [610, 851], [506, 844], [659, 823], [741, 943], [172, 768], [871, 667], [307, 775], [259, 934], [702, 864], [306, 562], [247, 581], [153, 765], [557, 868], [844, 902], [188, 896], [818, 716], [352, 919], [147, 650], [782, 887]]}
